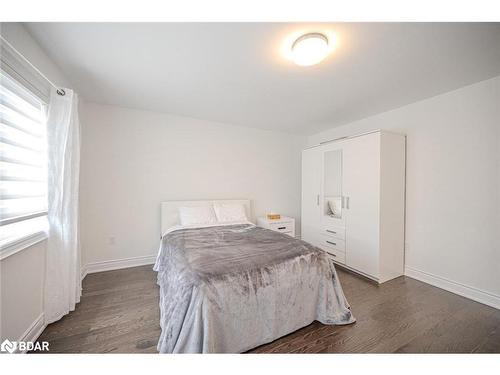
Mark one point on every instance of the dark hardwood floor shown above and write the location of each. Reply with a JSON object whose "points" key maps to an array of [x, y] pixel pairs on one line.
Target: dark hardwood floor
{"points": [[119, 313]]}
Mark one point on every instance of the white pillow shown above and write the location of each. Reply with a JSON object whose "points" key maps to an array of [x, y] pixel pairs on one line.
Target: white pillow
{"points": [[230, 212], [197, 215]]}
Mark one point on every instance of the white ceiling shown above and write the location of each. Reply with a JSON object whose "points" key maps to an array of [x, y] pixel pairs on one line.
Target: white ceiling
{"points": [[235, 72]]}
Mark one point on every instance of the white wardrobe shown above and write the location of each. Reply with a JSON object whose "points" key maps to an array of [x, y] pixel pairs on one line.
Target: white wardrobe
{"points": [[353, 202]]}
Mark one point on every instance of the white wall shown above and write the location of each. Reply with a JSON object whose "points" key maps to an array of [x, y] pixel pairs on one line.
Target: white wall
{"points": [[453, 186], [132, 160], [23, 274]]}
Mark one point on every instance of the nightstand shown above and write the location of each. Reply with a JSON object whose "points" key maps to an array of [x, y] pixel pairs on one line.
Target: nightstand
{"points": [[284, 225]]}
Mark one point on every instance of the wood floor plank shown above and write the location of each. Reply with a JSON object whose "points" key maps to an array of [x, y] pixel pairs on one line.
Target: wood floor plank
{"points": [[119, 313], [491, 343], [461, 332]]}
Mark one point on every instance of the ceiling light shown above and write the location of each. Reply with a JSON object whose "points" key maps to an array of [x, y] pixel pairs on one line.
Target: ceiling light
{"points": [[310, 49]]}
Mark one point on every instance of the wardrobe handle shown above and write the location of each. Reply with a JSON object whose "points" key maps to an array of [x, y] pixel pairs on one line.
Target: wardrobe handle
{"points": [[347, 202], [331, 231], [331, 243], [317, 199], [342, 202]]}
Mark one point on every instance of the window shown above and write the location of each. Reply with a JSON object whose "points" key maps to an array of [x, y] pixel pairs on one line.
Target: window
{"points": [[23, 162]]}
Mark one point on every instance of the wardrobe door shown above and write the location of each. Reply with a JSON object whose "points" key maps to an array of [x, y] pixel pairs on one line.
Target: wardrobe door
{"points": [[311, 178], [361, 191]]}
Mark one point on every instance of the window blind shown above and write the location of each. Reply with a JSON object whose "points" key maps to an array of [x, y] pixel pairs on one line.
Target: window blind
{"points": [[23, 154]]}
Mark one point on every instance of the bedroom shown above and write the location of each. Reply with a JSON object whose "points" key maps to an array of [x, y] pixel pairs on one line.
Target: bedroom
{"points": [[211, 187]]}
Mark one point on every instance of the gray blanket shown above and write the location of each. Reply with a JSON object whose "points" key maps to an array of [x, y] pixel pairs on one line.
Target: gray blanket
{"points": [[228, 289]]}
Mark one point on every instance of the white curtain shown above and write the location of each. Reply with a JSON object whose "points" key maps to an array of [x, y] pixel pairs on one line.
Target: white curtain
{"points": [[63, 278]]}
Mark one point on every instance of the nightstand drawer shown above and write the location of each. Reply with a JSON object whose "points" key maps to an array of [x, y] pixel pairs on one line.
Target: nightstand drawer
{"points": [[285, 225], [282, 227]]}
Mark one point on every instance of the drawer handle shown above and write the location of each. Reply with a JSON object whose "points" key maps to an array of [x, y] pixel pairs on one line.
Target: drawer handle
{"points": [[333, 255], [331, 243], [281, 228], [331, 231]]}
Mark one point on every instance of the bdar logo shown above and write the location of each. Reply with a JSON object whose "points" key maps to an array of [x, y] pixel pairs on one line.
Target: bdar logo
{"points": [[8, 346], [24, 346]]}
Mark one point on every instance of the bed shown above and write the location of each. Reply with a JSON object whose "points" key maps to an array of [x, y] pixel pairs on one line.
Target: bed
{"points": [[227, 288]]}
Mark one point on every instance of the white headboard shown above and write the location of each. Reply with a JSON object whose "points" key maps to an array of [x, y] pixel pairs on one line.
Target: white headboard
{"points": [[170, 210]]}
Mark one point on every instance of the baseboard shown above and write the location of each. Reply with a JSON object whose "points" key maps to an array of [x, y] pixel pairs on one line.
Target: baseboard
{"points": [[472, 293], [34, 331], [117, 264]]}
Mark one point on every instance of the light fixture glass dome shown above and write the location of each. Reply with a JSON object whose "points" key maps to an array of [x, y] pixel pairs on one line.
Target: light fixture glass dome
{"points": [[310, 49]]}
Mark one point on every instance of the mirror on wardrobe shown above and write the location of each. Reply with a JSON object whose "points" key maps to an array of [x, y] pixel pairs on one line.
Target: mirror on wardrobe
{"points": [[332, 184]]}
